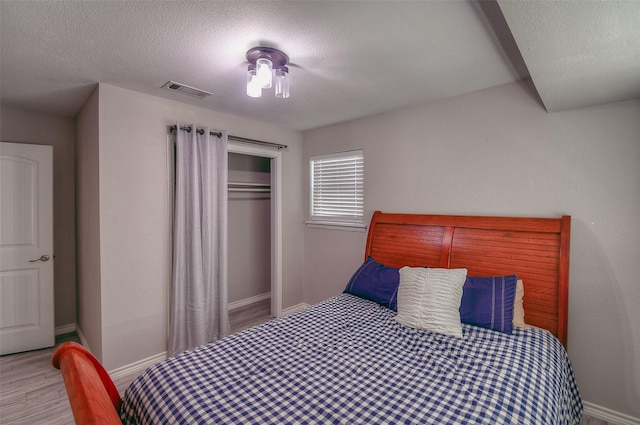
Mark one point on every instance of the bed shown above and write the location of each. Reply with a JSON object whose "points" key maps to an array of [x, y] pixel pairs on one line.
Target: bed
{"points": [[350, 359]]}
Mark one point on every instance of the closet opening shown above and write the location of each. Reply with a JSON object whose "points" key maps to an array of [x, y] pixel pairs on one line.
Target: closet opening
{"points": [[254, 227]]}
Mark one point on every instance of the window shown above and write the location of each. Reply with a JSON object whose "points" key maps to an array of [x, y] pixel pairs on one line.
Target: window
{"points": [[337, 187]]}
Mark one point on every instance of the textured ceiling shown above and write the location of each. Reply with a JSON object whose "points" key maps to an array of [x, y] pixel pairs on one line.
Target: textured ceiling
{"points": [[579, 53], [349, 58]]}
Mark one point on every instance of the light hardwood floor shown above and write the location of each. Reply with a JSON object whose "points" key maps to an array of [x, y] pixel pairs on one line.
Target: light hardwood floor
{"points": [[32, 391]]}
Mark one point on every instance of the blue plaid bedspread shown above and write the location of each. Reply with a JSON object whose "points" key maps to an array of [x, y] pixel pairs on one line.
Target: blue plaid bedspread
{"points": [[347, 361]]}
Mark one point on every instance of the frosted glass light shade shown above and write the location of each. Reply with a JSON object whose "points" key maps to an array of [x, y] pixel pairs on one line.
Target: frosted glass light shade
{"points": [[254, 89], [264, 72], [282, 83], [268, 64]]}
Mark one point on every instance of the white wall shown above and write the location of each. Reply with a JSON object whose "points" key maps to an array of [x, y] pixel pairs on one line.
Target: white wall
{"points": [[497, 152], [134, 215], [20, 126]]}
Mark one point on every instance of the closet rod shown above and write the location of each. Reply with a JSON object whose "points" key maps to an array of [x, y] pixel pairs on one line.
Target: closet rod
{"points": [[248, 189], [231, 137], [245, 184]]}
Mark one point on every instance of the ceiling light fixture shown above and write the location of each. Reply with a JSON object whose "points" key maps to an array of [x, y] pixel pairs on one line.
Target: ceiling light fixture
{"points": [[267, 68]]}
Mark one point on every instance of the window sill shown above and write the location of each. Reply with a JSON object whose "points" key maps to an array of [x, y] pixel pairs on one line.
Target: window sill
{"points": [[336, 225]]}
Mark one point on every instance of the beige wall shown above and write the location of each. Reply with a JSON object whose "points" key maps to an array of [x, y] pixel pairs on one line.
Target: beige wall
{"points": [[497, 152], [20, 126], [134, 215], [88, 225]]}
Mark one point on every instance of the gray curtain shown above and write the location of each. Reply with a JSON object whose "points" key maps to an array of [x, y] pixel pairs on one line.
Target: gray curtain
{"points": [[198, 310]]}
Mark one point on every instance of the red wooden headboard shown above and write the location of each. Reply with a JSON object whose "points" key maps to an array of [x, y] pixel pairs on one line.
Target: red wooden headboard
{"points": [[536, 249]]}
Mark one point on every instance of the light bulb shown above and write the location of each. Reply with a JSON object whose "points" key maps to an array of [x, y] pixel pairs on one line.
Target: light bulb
{"points": [[282, 83], [264, 71], [254, 89]]}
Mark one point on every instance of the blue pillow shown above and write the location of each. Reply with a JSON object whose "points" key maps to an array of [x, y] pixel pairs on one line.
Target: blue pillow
{"points": [[376, 282], [488, 302]]}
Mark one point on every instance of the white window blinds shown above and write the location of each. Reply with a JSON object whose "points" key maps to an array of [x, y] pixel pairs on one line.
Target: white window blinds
{"points": [[337, 187]]}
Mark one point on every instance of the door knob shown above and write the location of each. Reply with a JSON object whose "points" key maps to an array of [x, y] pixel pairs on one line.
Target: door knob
{"points": [[43, 258]]}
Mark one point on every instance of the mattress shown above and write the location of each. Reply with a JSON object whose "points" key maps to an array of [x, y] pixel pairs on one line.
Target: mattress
{"points": [[347, 361]]}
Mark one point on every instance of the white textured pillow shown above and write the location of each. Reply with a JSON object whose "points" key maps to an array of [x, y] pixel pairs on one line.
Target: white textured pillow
{"points": [[430, 299]]}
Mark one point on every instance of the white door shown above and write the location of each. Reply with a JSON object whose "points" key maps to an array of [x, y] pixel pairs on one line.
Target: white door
{"points": [[26, 247]]}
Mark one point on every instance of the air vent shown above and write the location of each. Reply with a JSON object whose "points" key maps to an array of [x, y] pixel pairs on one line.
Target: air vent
{"points": [[185, 89]]}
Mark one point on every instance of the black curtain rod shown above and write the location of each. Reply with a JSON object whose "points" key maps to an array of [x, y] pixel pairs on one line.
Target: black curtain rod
{"points": [[234, 138]]}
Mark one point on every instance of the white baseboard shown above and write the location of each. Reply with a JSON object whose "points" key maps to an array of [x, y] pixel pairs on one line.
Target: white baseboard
{"points": [[83, 340], [609, 415], [294, 308], [247, 301], [133, 368], [136, 368], [65, 329]]}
